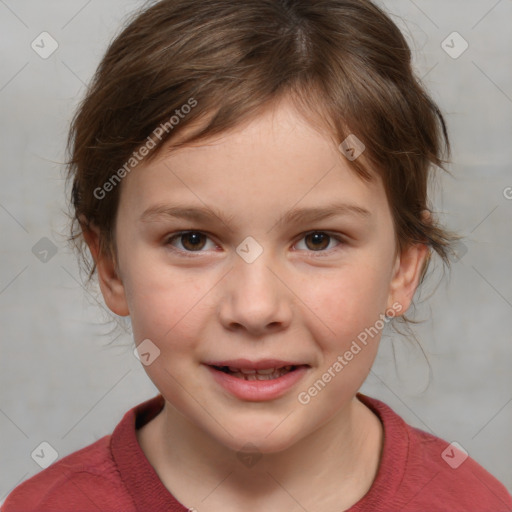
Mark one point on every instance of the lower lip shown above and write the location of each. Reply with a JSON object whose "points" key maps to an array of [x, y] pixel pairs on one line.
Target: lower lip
{"points": [[258, 390]]}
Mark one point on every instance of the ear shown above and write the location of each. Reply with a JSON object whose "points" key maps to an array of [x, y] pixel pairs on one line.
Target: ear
{"points": [[407, 273], [111, 285]]}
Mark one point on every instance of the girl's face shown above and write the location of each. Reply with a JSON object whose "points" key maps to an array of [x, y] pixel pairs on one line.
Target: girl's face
{"points": [[289, 256]]}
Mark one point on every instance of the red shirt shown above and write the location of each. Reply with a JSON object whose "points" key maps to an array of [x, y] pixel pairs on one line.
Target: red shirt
{"points": [[113, 474]]}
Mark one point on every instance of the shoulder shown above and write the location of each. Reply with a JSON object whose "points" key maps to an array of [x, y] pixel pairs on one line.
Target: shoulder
{"points": [[451, 476], [420, 471], [87, 479]]}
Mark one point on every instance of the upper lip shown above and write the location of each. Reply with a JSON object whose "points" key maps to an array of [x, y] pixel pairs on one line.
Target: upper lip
{"points": [[261, 364]]}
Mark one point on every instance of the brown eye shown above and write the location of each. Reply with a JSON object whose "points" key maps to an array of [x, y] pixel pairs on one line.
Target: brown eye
{"points": [[317, 241], [190, 241], [193, 241]]}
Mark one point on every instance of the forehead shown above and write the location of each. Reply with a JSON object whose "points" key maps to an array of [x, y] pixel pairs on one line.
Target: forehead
{"points": [[275, 160]]}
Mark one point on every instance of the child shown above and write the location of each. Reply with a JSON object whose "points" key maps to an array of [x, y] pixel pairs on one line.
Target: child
{"points": [[251, 180]]}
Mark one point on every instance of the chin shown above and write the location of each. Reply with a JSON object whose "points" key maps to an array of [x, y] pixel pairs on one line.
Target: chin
{"points": [[258, 440]]}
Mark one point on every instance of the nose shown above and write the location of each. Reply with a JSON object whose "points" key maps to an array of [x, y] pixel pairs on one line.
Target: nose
{"points": [[255, 298]]}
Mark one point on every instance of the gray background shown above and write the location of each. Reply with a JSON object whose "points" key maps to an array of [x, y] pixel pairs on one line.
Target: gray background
{"points": [[66, 380]]}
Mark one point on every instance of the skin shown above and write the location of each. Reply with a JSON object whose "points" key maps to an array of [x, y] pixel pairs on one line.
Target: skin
{"points": [[301, 299]]}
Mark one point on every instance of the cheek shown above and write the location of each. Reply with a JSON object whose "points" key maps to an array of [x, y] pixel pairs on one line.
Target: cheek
{"points": [[164, 306], [347, 328], [346, 302]]}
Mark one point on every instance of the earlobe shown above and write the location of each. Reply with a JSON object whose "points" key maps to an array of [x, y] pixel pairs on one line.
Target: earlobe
{"points": [[111, 285], [407, 274]]}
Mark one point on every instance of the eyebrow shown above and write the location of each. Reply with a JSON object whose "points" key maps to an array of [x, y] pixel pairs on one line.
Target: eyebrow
{"points": [[198, 214], [294, 216], [313, 214]]}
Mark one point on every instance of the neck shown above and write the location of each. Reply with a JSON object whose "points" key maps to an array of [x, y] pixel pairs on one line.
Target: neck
{"points": [[342, 461]]}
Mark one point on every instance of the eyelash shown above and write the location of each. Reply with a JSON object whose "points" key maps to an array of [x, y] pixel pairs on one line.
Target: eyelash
{"points": [[315, 254]]}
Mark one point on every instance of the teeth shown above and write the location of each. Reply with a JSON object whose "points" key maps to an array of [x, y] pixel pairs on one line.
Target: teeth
{"points": [[251, 371], [268, 371], [266, 374], [245, 371]]}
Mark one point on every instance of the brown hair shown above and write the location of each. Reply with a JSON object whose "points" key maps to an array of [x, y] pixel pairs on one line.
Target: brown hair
{"points": [[341, 61]]}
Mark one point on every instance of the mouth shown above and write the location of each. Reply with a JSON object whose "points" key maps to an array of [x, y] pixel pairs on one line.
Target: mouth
{"points": [[257, 381], [260, 374]]}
